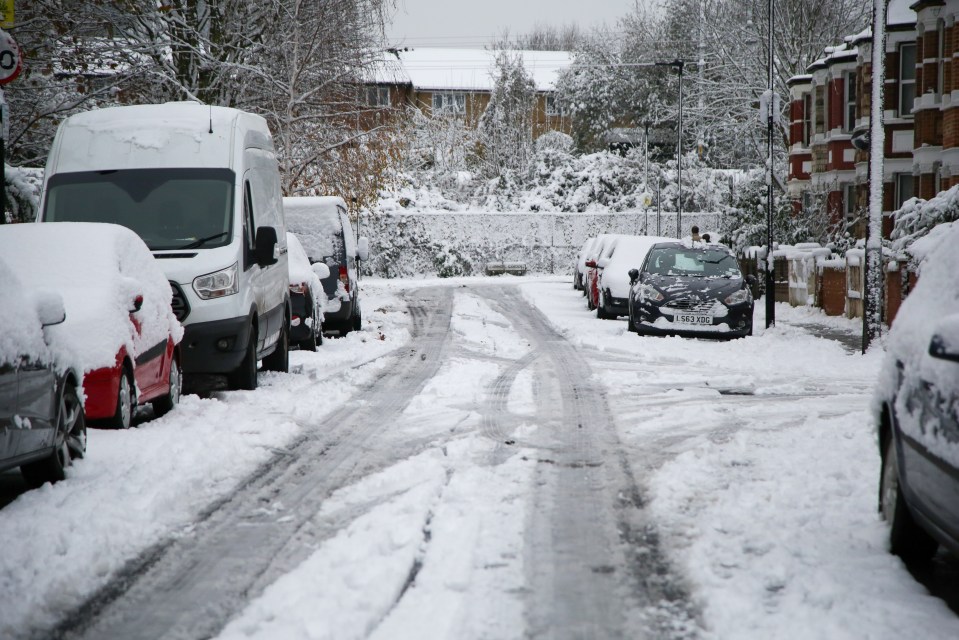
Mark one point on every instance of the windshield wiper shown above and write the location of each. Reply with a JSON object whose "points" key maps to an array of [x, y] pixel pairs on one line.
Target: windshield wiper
{"points": [[196, 244]]}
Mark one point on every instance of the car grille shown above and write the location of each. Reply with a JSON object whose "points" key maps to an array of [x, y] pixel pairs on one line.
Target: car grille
{"points": [[181, 308], [691, 305]]}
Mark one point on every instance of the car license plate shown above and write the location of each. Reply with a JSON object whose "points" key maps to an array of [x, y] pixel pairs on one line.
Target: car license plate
{"points": [[692, 318]]}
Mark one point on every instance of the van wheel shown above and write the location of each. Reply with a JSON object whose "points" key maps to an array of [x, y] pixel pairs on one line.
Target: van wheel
{"points": [[245, 376], [165, 404], [70, 442], [279, 360], [126, 402]]}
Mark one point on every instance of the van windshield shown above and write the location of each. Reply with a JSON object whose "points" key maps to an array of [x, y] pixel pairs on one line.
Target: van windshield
{"points": [[168, 208]]}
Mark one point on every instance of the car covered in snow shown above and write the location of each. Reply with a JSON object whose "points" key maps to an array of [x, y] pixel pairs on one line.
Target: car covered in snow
{"points": [[594, 258], [306, 296], [916, 406], [629, 252], [42, 425], [324, 229], [120, 331], [690, 289], [579, 268]]}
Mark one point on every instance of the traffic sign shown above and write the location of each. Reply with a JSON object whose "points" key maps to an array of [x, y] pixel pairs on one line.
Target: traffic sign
{"points": [[11, 61]]}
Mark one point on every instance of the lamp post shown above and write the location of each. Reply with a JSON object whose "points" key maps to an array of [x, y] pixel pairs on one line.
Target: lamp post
{"points": [[770, 114], [872, 311]]}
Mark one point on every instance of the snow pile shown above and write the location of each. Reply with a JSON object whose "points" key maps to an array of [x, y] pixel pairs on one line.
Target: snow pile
{"points": [[21, 334], [316, 223], [916, 218], [931, 308], [98, 269]]}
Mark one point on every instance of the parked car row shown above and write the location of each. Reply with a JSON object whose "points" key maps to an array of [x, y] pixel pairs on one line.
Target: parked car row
{"points": [[168, 258], [665, 286]]}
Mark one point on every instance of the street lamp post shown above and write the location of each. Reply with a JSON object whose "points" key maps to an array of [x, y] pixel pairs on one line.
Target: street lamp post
{"points": [[770, 114], [872, 312]]}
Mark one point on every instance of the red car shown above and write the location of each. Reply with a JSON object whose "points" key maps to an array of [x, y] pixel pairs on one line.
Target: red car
{"points": [[596, 259], [120, 331]]}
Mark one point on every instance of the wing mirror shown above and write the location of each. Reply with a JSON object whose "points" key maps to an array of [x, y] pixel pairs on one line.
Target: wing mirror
{"points": [[137, 303], [751, 280], [591, 264], [945, 340], [321, 270], [602, 263], [633, 276], [265, 246], [363, 248], [50, 309]]}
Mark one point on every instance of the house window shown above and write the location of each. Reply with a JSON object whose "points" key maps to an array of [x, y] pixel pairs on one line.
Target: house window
{"points": [[907, 78], [449, 103], [555, 106], [849, 201], [378, 96], [850, 83], [820, 110], [825, 107], [904, 188], [806, 118]]}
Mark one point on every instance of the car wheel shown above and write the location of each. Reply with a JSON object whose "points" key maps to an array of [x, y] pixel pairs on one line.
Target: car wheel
{"points": [[126, 403], [245, 376], [357, 319], [310, 343], [907, 539], [279, 360], [601, 311], [630, 324], [166, 404], [70, 442]]}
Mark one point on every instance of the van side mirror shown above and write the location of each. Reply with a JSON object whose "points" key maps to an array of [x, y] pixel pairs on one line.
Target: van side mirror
{"points": [[633, 276], [50, 309], [945, 339], [265, 246], [363, 248], [321, 270]]}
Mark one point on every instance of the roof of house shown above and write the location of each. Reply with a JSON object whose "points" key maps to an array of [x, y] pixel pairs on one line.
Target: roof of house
{"points": [[463, 69]]}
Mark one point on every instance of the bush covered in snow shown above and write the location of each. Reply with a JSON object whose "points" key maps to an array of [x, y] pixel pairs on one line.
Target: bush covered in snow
{"points": [[918, 217], [22, 193]]}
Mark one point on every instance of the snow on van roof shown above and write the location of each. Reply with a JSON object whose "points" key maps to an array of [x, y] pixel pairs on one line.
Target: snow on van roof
{"points": [[174, 134], [98, 269], [464, 69]]}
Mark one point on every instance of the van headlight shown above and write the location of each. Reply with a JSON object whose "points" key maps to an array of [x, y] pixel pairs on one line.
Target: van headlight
{"points": [[217, 284], [737, 297]]}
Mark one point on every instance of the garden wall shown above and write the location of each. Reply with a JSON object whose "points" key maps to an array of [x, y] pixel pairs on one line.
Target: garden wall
{"points": [[461, 243]]}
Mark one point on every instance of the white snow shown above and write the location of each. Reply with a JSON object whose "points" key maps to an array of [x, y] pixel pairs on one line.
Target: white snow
{"points": [[98, 269], [21, 334]]}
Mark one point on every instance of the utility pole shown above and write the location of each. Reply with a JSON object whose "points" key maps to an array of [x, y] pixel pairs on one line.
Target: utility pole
{"points": [[873, 291], [679, 159], [770, 114]]}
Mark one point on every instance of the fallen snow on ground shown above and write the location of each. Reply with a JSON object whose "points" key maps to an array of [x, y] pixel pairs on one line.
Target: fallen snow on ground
{"points": [[136, 488], [765, 496]]}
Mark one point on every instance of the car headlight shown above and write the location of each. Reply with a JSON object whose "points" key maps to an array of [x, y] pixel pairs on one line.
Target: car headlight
{"points": [[737, 297], [649, 292], [218, 284]]}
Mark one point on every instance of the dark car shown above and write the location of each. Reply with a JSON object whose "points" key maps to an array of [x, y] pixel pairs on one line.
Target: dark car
{"points": [[686, 290], [306, 296], [323, 227], [42, 424], [916, 410]]}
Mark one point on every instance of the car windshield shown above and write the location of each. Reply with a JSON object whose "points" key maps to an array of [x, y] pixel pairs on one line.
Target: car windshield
{"points": [[168, 208], [701, 263]]}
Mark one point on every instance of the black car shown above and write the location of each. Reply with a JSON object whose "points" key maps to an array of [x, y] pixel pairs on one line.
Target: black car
{"points": [[686, 290], [42, 424], [306, 296], [917, 412]]}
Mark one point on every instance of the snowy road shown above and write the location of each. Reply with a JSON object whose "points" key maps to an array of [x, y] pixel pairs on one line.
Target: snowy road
{"points": [[484, 460]]}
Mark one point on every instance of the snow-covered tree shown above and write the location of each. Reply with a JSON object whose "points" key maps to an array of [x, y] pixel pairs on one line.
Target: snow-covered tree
{"points": [[506, 126]]}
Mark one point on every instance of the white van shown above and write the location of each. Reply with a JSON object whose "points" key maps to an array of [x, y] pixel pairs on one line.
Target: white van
{"points": [[201, 186]]}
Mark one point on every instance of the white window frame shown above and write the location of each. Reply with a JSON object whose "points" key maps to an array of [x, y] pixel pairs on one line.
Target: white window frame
{"points": [[905, 111], [452, 103], [849, 113], [555, 106], [900, 199], [377, 96]]}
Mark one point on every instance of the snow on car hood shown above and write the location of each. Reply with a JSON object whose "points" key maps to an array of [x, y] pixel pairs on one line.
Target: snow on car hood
{"points": [[21, 334], [98, 269], [687, 286], [933, 306]]}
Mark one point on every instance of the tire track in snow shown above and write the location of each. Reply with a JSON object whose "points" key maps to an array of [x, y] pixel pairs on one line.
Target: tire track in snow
{"points": [[596, 568], [191, 586]]}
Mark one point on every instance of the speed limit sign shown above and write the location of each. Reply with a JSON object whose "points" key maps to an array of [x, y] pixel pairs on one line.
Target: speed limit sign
{"points": [[10, 61]]}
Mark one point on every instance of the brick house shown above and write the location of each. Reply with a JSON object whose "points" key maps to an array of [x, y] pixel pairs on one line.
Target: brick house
{"points": [[459, 82], [830, 109]]}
